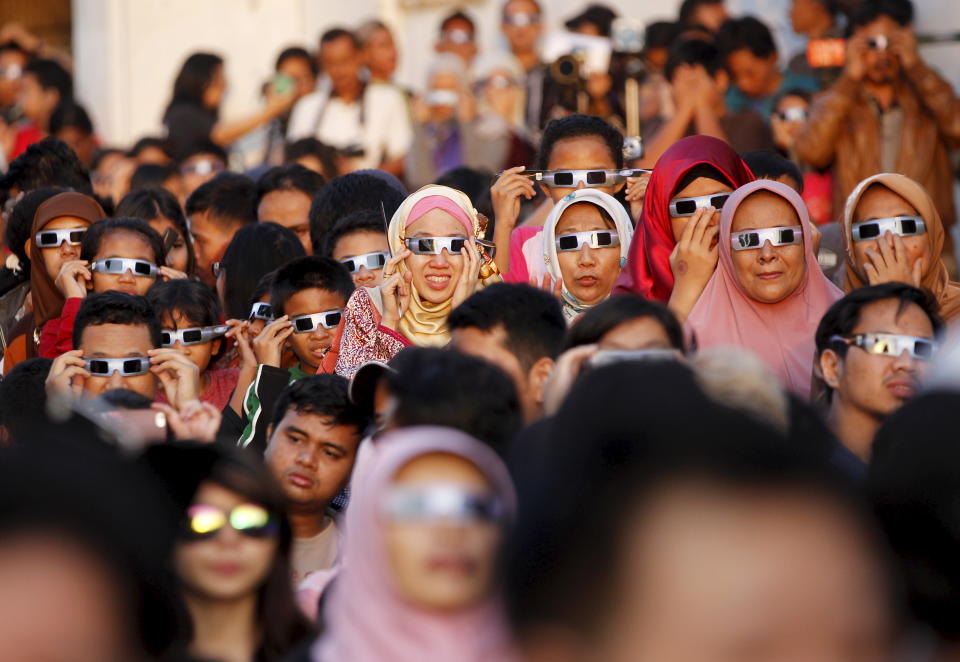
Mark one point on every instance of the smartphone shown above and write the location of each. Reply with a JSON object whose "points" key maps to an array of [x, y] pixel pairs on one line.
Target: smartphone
{"points": [[283, 84], [605, 357]]}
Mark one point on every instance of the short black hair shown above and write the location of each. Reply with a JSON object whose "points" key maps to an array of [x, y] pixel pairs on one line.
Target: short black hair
{"points": [[339, 33], [747, 33], [116, 308], [50, 74], [254, 251], [20, 223], [326, 154], [458, 15], [93, 237], [297, 52], [321, 395], [261, 288], [306, 272], [349, 193], [689, 7], [228, 198], [617, 310], [765, 164], [191, 298], [475, 183], [148, 142], [660, 34], [900, 11], [70, 114], [47, 162], [693, 52], [580, 126], [363, 220], [23, 397], [291, 177], [532, 319], [198, 147], [431, 387], [151, 175], [701, 170], [124, 398], [154, 202]]}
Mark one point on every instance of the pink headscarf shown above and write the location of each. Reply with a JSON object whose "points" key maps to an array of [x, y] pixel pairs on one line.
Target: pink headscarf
{"points": [[782, 333], [367, 621]]}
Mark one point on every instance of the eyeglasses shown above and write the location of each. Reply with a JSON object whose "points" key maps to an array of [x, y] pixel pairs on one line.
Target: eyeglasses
{"points": [[11, 71], [204, 521], [202, 167], [195, 336], [262, 311], [749, 240], [457, 36], [500, 82], [56, 238], [521, 20], [128, 367], [688, 206], [121, 265], [878, 43], [217, 269], [793, 114], [890, 344], [594, 239], [589, 178], [904, 226], [369, 260], [436, 245], [441, 501], [328, 319]]}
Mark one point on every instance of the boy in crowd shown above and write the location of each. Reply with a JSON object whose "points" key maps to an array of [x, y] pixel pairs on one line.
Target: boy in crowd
{"points": [[284, 196], [349, 193], [199, 164], [216, 211], [358, 241]]}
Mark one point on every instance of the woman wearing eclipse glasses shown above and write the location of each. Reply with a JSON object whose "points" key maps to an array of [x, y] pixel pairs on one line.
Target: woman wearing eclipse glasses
{"points": [[892, 231], [768, 293]]}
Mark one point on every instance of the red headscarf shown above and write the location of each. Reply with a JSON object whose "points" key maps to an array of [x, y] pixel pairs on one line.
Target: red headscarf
{"points": [[647, 271]]}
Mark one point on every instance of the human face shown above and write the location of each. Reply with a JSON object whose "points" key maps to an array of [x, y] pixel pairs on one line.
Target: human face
{"points": [[190, 180], [80, 142], [310, 348], [132, 245], [210, 241], [756, 77], [341, 61], [636, 334], [447, 82], [880, 202], [882, 67], [588, 273], [465, 50], [299, 70], [710, 16], [583, 153], [879, 385], [522, 38], [442, 565], [152, 155], [228, 566], [806, 15], [698, 187], [213, 95], [381, 55], [311, 458], [37, 103], [708, 573], [790, 127], [117, 341], [291, 209], [435, 276], [361, 243], [10, 61], [177, 257], [200, 354], [770, 273], [53, 258]]}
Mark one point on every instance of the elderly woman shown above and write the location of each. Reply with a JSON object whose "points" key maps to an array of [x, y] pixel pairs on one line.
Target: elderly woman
{"points": [[768, 292]]}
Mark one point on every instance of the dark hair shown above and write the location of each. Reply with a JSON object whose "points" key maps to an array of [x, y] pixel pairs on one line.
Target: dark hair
{"points": [[660, 34], [900, 11], [458, 15], [349, 193], [326, 154], [93, 237], [364, 220], [689, 7], [475, 183], [693, 52], [292, 177], [153, 202], [299, 53], [580, 126], [747, 33], [228, 198], [23, 398], [50, 74], [20, 223], [116, 308], [124, 398], [765, 164], [698, 171], [13, 45], [69, 114], [47, 162], [193, 79], [151, 175], [191, 298], [531, 318], [260, 289], [197, 147], [304, 273], [617, 310], [794, 92], [321, 395], [254, 251], [146, 143], [434, 386], [339, 33]]}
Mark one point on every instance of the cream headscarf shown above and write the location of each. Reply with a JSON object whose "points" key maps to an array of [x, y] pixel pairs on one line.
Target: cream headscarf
{"points": [[425, 324]]}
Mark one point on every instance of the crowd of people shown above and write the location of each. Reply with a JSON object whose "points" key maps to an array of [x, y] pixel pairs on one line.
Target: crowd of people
{"points": [[543, 361]]}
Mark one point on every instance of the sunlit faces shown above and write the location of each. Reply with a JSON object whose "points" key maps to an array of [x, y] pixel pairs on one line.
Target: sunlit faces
{"points": [[200, 354], [521, 33], [53, 258], [880, 202], [178, 256], [341, 61], [636, 334], [229, 565], [581, 153], [770, 273], [444, 96], [311, 347], [210, 241], [755, 76], [443, 564], [882, 65], [435, 276], [698, 187], [299, 69], [132, 245], [196, 170], [710, 15], [362, 243], [213, 94], [117, 341], [380, 54], [12, 63], [289, 208], [36, 103], [588, 274]]}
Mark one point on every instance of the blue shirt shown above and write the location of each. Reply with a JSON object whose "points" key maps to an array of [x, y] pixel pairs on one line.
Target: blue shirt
{"points": [[738, 101]]}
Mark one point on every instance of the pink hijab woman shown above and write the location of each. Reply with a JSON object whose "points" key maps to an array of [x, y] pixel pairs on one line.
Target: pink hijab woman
{"points": [[768, 292], [422, 535]]}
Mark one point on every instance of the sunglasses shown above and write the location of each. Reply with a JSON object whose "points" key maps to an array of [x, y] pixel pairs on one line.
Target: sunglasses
{"points": [[878, 43], [688, 206], [904, 226], [328, 319], [194, 336], [436, 245], [589, 178], [749, 240], [204, 521], [121, 265], [594, 239], [793, 114], [204, 167], [441, 502], [56, 238], [521, 20], [129, 367], [369, 260], [457, 36], [890, 344], [262, 311]]}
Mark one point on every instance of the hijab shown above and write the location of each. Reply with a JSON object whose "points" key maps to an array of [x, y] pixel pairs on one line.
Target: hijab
{"points": [[647, 271], [47, 299], [368, 620], [781, 333], [935, 277], [572, 307], [425, 323]]}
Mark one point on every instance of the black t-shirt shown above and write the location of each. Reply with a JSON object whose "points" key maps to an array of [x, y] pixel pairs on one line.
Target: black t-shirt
{"points": [[188, 125]]}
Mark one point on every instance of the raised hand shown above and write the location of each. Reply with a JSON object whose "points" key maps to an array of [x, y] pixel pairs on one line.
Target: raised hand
{"points": [[67, 375], [268, 345], [73, 278], [178, 375], [890, 263], [395, 290], [469, 279]]}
